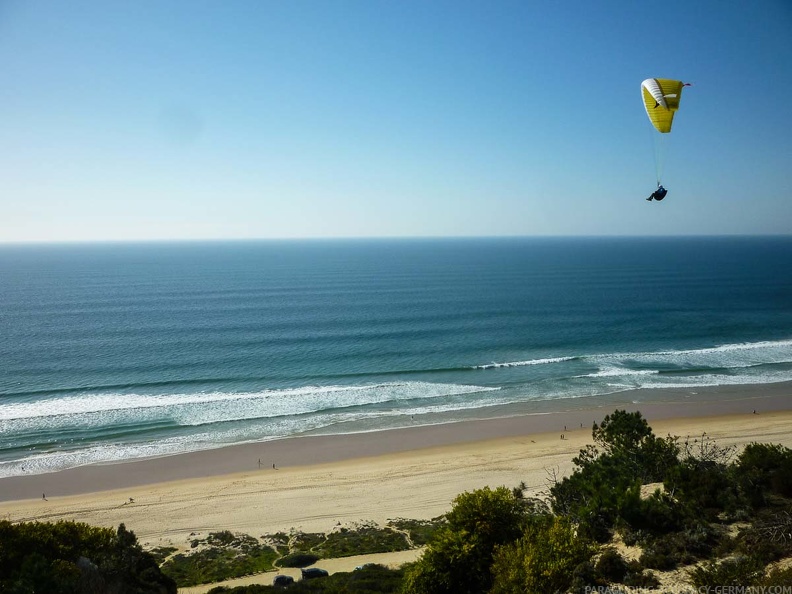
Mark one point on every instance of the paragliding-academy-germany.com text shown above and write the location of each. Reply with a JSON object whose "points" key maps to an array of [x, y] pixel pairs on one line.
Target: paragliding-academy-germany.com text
{"points": [[693, 590]]}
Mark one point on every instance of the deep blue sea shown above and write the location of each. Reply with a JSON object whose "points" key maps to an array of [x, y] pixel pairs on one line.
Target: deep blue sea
{"points": [[116, 351]]}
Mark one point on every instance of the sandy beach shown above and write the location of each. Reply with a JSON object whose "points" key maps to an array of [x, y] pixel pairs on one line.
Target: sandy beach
{"points": [[319, 482]]}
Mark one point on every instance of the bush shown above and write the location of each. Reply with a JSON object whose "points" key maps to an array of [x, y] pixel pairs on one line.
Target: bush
{"points": [[655, 515], [225, 556], [739, 571], [457, 559], [658, 555], [611, 565], [542, 560], [586, 579], [704, 486], [697, 541], [768, 538], [297, 560], [361, 540], [606, 482], [374, 579], [764, 469], [67, 557]]}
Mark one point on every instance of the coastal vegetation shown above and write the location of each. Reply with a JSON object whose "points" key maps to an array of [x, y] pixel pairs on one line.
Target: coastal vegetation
{"points": [[636, 507], [73, 558], [727, 517], [225, 555]]}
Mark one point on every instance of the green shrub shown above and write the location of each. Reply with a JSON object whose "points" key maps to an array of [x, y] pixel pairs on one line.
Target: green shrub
{"points": [[361, 540], [739, 571], [654, 515], [297, 560], [605, 485], [419, 531], [374, 579], [611, 565], [458, 557], [705, 486], [764, 469], [542, 560], [67, 557], [225, 556], [585, 578], [658, 555]]}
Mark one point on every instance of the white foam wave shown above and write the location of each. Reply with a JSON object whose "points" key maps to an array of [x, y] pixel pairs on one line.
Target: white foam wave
{"points": [[728, 355], [524, 363], [200, 408], [737, 347], [621, 372]]}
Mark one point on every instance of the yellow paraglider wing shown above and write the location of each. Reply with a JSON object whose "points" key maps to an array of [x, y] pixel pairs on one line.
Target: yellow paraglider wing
{"points": [[661, 99]]}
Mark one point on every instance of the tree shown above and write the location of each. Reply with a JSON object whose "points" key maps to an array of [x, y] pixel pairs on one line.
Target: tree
{"points": [[608, 475], [458, 558], [542, 561], [72, 557], [764, 469]]}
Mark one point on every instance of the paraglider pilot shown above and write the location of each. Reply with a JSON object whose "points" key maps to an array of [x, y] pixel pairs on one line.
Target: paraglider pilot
{"points": [[658, 194]]}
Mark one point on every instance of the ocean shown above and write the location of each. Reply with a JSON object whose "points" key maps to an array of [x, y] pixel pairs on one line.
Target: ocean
{"points": [[112, 352]]}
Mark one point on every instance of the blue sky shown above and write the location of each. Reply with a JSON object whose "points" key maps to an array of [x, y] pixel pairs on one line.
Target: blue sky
{"points": [[149, 119]]}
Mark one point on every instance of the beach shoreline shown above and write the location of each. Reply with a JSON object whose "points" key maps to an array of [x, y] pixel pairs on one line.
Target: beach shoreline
{"points": [[311, 450], [323, 482]]}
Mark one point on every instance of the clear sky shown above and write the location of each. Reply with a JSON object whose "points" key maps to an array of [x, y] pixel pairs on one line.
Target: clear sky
{"points": [[156, 119]]}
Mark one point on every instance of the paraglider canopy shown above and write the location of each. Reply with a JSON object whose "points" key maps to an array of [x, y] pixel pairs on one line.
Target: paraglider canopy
{"points": [[661, 99]]}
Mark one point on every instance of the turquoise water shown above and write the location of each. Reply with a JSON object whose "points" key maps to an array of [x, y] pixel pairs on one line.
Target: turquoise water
{"points": [[116, 351]]}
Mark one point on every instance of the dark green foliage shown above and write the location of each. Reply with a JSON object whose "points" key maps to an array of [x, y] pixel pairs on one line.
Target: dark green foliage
{"points": [[542, 560], [593, 495], [251, 589], [71, 557], [458, 558], [611, 565], [223, 555], [659, 555], [361, 540], [629, 438], [226, 555], [703, 481], [697, 541], [373, 579], [585, 577], [297, 560], [655, 515], [604, 489], [739, 571], [762, 470]]}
